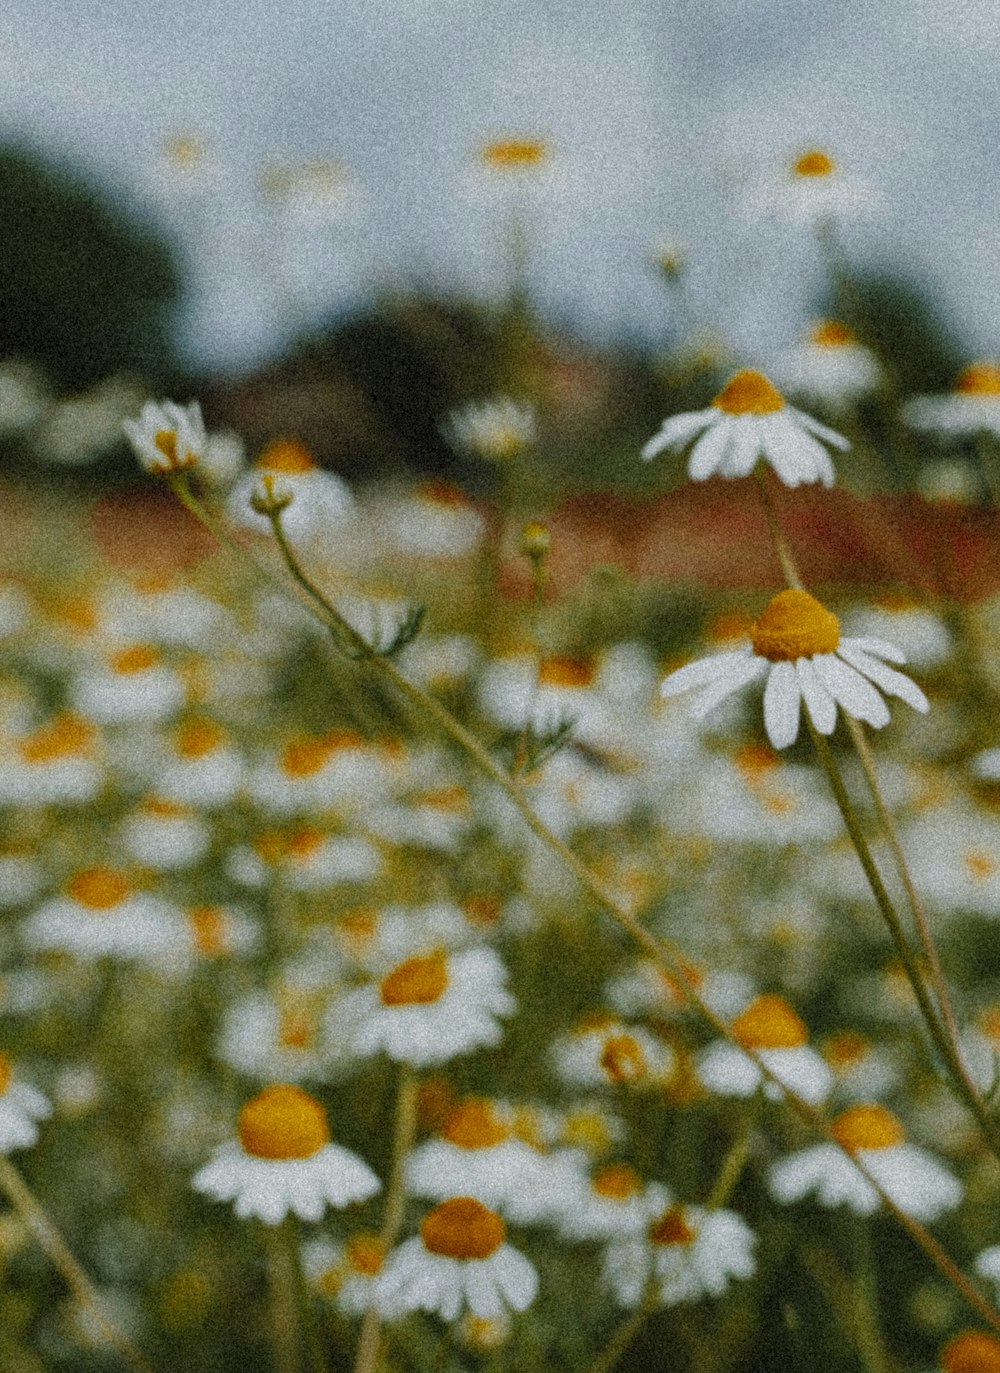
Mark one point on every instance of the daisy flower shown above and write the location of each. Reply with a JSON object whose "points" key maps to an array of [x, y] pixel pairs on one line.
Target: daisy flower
{"points": [[131, 686], [200, 766], [347, 1273], [687, 1251], [459, 1260], [972, 407], [747, 420], [167, 437], [610, 1201], [102, 916], [971, 1352], [603, 1051], [57, 764], [777, 1034], [21, 1106], [830, 367], [318, 504], [496, 430], [436, 520], [428, 1009], [283, 1161], [911, 1177], [475, 1155], [797, 645], [165, 835]]}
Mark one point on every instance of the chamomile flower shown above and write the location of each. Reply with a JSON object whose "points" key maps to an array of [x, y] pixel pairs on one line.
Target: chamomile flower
{"points": [[477, 1155], [497, 430], [436, 520], [777, 1034], [972, 407], [830, 367], [57, 764], [279, 1034], [604, 1051], [797, 645], [814, 188], [973, 1351], [317, 505], [347, 1273], [21, 1107], [747, 420], [458, 1261], [687, 1252], [200, 766], [283, 1161], [911, 1177], [165, 835], [167, 437], [608, 1202], [131, 686], [428, 1009], [101, 915]]}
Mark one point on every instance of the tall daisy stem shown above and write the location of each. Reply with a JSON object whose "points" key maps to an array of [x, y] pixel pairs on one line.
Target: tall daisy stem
{"points": [[35, 1217], [370, 1339], [661, 951], [283, 1301]]}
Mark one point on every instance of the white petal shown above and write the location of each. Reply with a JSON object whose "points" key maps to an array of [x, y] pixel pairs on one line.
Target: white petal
{"points": [[678, 431], [744, 452], [820, 704], [741, 676], [710, 450], [781, 705], [881, 648], [892, 682], [821, 431], [858, 697], [703, 671]]}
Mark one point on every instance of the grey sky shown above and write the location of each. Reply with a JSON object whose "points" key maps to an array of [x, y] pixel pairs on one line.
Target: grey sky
{"points": [[664, 113]]}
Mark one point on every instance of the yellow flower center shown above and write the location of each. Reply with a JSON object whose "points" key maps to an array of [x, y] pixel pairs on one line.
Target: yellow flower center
{"points": [[304, 757], [6, 1073], [139, 658], [770, 1023], [417, 982], [98, 888], [754, 760], [195, 738], [166, 442], [748, 393], [564, 671], [304, 843], [162, 809], [482, 910], [472, 1125], [869, 1126], [297, 1027], [671, 1228], [365, 1253], [979, 379], [616, 1182], [462, 1228], [830, 333], [971, 1352], [283, 1122], [451, 800], [443, 494], [814, 163], [794, 625], [208, 930], [64, 737], [623, 1059], [979, 865], [286, 455], [587, 1128], [844, 1048], [511, 154]]}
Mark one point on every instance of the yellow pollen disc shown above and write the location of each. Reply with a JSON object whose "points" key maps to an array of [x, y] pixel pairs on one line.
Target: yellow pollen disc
{"points": [[195, 738], [462, 1228], [443, 493], [867, 1127], [286, 455], [623, 1059], [770, 1023], [184, 152], [296, 1028], [208, 930], [671, 1228], [139, 658], [162, 809], [979, 865], [844, 1048], [755, 759], [979, 379], [78, 613], [616, 1181], [988, 1021], [507, 154], [971, 1352], [283, 1122], [482, 910], [66, 736], [417, 982], [304, 843], [166, 442], [357, 927], [472, 1125], [304, 757], [830, 333], [98, 888], [337, 740], [6, 1073], [748, 393], [794, 625], [564, 671], [813, 163], [365, 1253]]}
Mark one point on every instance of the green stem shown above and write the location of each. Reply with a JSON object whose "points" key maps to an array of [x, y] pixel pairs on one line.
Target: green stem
{"points": [[624, 1335], [311, 1337], [283, 1299]]}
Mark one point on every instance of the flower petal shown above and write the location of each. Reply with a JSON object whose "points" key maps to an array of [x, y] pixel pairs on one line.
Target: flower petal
{"points": [[879, 648], [821, 431], [678, 431], [893, 683], [846, 685], [781, 705], [747, 672], [820, 704], [709, 452], [703, 671]]}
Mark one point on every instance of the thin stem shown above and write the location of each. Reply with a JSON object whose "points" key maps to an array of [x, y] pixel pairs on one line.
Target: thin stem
{"points": [[788, 568], [311, 1337], [851, 1306], [370, 1338], [283, 1301], [61, 1256], [624, 1335], [662, 951]]}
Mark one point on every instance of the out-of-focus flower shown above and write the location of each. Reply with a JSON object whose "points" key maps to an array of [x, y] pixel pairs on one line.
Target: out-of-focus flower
{"points": [[831, 367], [610, 1202], [21, 1106], [796, 643], [778, 1035], [59, 763], [497, 430], [347, 1273], [972, 407], [315, 504], [132, 685], [973, 1351], [747, 420], [167, 437], [476, 1155], [813, 189], [165, 835], [283, 1161], [603, 1051], [437, 520], [24, 397], [101, 915], [911, 1177], [459, 1260], [514, 156], [688, 1252]]}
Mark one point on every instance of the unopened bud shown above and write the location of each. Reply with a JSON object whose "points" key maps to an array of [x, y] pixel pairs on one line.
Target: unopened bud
{"points": [[536, 541], [268, 499]]}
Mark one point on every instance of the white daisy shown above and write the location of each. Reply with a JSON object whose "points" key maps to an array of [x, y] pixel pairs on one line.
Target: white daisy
{"points": [[133, 685], [347, 1273], [688, 1252], [972, 407], [21, 1106], [911, 1177], [814, 189], [604, 1051], [830, 367], [436, 520], [283, 1161], [57, 764], [458, 1261], [165, 835], [167, 437], [797, 645], [776, 1033], [102, 916], [494, 430], [426, 1010], [747, 420], [611, 1201], [200, 767], [319, 505], [476, 1155]]}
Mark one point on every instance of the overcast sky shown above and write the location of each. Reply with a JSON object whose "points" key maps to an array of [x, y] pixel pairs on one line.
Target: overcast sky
{"points": [[664, 114]]}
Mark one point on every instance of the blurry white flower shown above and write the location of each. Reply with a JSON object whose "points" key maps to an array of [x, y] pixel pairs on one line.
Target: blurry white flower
{"points": [[688, 1252], [972, 407], [167, 437], [609, 1202], [131, 685], [283, 1161], [912, 1178], [345, 1274], [814, 189], [24, 396], [748, 420], [57, 764], [796, 643], [496, 430], [21, 1106], [831, 367], [436, 520], [102, 916], [458, 1261], [476, 1155], [165, 835], [603, 1051], [320, 507], [777, 1034]]}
